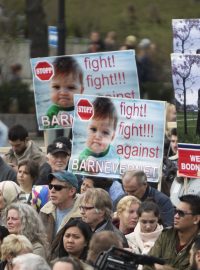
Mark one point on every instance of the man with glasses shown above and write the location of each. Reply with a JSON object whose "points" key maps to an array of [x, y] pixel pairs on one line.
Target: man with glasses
{"points": [[135, 184], [174, 244], [63, 204], [96, 211]]}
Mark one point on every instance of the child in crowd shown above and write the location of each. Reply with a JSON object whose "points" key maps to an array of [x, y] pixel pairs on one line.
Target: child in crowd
{"points": [[67, 81], [101, 133]]}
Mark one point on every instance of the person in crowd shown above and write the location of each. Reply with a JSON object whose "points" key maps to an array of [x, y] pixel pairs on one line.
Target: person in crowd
{"points": [[147, 229], [9, 193], [73, 239], [21, 218], [170, 163], [112, 186], [130, 43], [173, 149], [63, 204], [110, 41], [174, 243], [95, 44], [3, 233], [67, 263], [12, 246], [7, 172], [26, 176], [100, 134], [58, 154], [67, 81], [96, 211], [180, 188], [88, 182], [3, 134], [135, 184], [127, 214], [195, 255], [22, 147], [30, 261], [102, 241]]}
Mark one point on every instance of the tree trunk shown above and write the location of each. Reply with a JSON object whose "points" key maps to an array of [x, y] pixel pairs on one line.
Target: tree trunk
{"points": [[37, 28]]}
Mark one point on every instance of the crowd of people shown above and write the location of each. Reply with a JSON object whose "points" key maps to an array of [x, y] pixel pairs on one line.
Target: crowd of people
{"points": [[54, 219]]}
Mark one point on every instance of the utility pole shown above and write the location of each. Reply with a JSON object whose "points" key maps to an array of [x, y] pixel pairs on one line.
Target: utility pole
{"points": [[61, 27]]}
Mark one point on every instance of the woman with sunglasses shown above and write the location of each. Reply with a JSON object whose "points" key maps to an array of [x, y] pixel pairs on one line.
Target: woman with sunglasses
{"points": [[147, 229], [73, 239]]}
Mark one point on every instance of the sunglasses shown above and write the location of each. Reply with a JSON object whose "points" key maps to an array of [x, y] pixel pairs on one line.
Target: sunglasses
{"points": [[181, 213], [57, 187]]}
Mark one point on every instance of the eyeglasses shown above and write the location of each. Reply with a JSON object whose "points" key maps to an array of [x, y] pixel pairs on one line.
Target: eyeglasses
{"points": [[57, 187], [85, 208], [181, 213]]}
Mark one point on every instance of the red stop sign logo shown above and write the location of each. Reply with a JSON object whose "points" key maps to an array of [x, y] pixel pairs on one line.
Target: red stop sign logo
{"points": [[85, 109], [44, 71]]}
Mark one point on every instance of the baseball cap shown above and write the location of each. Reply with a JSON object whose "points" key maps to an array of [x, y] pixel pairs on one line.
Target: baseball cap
{"points": [[64, 176], [57, 148]]}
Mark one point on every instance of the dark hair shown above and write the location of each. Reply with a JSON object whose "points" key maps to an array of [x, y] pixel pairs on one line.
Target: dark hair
{"points": [[73, 260], [148, 206], [100, 182], [196, 245], [32, 167], [193, 201], [3, 232], [85, 230], [102, 241], [65, 141], [173, 132], [17, 132], [68, 65], [103, 107]]}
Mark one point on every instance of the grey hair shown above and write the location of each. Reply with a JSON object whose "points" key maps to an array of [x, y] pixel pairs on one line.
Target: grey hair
{"points": [[31, 224], [140, 176], [31, 261]]}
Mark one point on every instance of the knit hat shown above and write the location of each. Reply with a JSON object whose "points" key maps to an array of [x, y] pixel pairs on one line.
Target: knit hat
{"points": [[64, 176], [131, 41], [10, 191], [144, 43]]}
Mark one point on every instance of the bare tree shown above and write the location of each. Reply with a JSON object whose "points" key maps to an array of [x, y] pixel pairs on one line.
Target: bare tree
{"points": [[184, 78], [182, 31]]}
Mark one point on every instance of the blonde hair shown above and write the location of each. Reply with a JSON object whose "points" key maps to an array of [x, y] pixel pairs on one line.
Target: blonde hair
{"points": [[100, 200], [125, 202], [14, 244]]}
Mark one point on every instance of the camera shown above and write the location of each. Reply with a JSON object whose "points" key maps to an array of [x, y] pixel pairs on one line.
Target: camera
{"points": [[120, 259]]}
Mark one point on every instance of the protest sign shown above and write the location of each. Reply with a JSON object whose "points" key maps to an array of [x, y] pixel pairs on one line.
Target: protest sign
{"points": [[57, 79], [186, 35], [186, 80], [189, 160], [115, 135]]}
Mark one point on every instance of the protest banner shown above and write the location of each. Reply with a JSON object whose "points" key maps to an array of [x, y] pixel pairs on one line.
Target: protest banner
{"points": [[186, 35], [186, 81], [112, 135], [57, 79], [189, 160]]}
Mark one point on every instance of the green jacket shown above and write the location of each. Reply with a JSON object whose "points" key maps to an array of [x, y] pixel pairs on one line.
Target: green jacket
{"points": [[165, 247]]}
